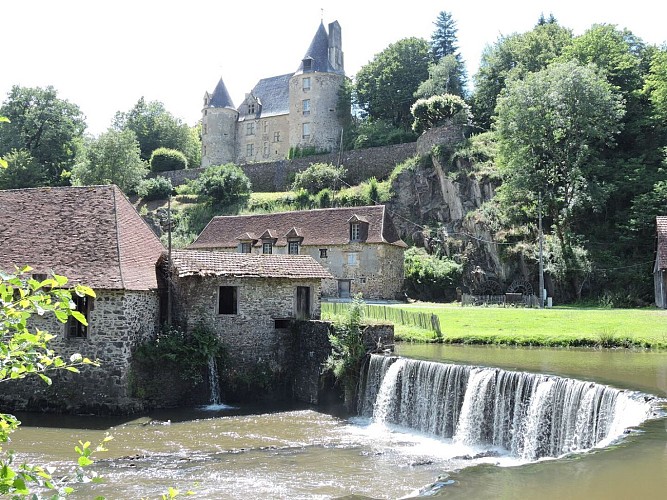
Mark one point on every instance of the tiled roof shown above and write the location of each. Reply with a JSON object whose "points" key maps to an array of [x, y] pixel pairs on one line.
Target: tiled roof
{"points": [[220, 97], [92, 235], [328, 226], [318, 52], [273, 95], [243, 265], [661, 256]]}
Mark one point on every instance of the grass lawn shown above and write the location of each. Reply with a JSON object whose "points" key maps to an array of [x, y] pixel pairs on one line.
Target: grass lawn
{"points": [[561, 326]]}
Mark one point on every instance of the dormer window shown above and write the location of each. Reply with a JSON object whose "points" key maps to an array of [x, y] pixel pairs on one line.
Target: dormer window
{"points": [[293, 247], [358, 228], [307, 65], [355, 231], [246, 247], [267, 247], [251, 108]]}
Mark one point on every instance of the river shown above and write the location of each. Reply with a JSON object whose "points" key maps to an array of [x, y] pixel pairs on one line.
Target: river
{"points": [[306, 452]]}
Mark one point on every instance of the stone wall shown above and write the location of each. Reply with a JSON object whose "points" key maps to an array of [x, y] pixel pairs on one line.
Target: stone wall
{"points": [[119, 320], [361, 164]]}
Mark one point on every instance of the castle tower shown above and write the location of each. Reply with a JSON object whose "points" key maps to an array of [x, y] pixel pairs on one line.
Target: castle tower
{"points": [[313, 93], [218, 127]]}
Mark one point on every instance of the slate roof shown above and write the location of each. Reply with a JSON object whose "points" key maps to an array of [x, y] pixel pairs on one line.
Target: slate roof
{"points": [[322, 227], [243, 265], [273, 95], [661, 255], [92, 235], [220, 97], [319, 52]]}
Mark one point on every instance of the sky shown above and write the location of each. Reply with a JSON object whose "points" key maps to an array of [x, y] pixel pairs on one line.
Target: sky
{"points": [[104, 55]]}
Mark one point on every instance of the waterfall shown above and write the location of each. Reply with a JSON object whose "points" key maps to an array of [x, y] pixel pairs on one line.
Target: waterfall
{"points": [[529, 415], [213, 382]]}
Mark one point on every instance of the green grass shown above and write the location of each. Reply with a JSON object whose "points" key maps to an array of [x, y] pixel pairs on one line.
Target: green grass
{"points": [[547, 327]]}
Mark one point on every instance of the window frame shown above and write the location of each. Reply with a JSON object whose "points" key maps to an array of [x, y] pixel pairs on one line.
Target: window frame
{"points": [[355, 231], [74, 329], [231, 303], [323, 253], [246, 247], [305, 130], [267, 245], [305, 107], [249, 149], [292, 245], [250, 128], [306, 84]]}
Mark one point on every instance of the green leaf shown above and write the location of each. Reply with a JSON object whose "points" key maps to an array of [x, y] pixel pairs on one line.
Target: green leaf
{"points": [[45, 378], [84, 461], [79, 317]]}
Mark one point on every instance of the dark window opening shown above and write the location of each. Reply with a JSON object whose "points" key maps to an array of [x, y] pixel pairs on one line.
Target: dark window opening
{"points": [[267, 248], [303, 302], [323, 253], [227, 300], [76, 329], [281, 324], [246, 247]]}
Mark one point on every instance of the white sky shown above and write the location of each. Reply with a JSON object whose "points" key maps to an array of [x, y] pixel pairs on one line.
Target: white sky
{"points": [[104, 55]]}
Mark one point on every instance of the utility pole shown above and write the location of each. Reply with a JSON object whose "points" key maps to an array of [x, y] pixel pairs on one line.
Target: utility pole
{"points": [[169, 260], [541, 285]]}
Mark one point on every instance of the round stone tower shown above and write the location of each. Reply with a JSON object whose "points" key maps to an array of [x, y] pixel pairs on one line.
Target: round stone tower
{"points": [[313, 93], [218, 133]]}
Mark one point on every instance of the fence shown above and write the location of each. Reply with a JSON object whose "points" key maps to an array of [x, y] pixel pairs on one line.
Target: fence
{"points": [[505, 300], [427, 321]]}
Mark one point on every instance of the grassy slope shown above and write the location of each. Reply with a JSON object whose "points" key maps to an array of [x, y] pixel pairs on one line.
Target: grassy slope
{"points": [[550, 327]]}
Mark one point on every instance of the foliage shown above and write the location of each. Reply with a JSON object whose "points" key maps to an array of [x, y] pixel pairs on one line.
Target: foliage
{"points": [[157, 188], [444, 77], [385, 86], [165, 159], [444, 40], [187, 353], [48, 127], [24, 351], [430, 277], [347, 346], [319, 176], [22, 171], [369, 192], [112, 158], [226, 186], [324, 198], [437, 110], [479, 151], [303, 152], [372, 133], [155, 127], [656, 84]]}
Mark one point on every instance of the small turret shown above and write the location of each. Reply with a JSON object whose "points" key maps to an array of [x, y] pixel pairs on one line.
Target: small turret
{"points": [[219, 119]]}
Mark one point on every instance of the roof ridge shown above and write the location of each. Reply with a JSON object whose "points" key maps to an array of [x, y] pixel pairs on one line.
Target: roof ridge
{"points": [[116, 229]]}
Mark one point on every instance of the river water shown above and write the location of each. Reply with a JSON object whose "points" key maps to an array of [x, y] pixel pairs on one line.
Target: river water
{"points": [[303, 452]]}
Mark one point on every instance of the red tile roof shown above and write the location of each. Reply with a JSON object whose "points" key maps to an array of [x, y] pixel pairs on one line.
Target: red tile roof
{"points": [[328, 226], [92, 235], [661, 255], [243, 265]]}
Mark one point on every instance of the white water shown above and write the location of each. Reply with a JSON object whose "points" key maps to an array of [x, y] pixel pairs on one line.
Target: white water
{"points": [[529, 416], [215, 398]]}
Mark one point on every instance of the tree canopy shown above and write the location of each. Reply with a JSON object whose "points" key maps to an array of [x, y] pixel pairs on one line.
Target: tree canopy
{"points": [[447, 73]]}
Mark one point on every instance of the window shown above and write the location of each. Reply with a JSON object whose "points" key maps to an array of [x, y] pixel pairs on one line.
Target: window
{"points": [[305, 130], [307, 65], [306, 107], [250, 128], [266, 149], [281, 323], [303, 302], [276, 137], [249, 149], [267, 247], [204, 150], [246, 247], [352, 259], [74, 328], [251, 108], [205, 129], [323, 253], [293, 248], [266, 127], [355, 231], [306, 83], [227, 300]]}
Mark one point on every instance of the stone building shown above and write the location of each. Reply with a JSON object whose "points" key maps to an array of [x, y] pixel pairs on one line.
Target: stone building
{"points": [[248, 300], [294, 110], [93, 236], [359, 246], [660, 267]]}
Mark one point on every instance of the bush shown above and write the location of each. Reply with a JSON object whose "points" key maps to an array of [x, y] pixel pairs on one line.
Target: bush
{"points": [[429, 277], [319, 176], [438, 109], [165, 159], [158, 188], [225, 185], [381, 133]]}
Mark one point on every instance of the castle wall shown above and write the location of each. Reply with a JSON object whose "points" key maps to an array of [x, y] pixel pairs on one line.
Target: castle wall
{"points": [[261, 140], [218, 136]]}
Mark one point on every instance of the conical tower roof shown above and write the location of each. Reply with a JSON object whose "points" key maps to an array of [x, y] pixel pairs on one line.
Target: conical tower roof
{"points": [[318, 52], [220, 97]]}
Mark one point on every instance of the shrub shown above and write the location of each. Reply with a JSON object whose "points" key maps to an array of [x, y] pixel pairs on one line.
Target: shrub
{"points": [[157, 188], [165, 159], [324, 198], [381, 133], [438, 109], [225, 185], [429, 277], [319, 176]]}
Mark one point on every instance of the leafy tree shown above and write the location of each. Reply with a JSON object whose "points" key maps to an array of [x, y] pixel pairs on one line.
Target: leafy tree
{"points": [[373, 133], [112, 158], [157, 188], [225, 185], [319, 176], [445, 77], [552, 129], [164, 159], [22, 171], [430, 277], [444, 40], [656, 84], [385, 86], [48, 127], [155, 127], [512, 57], [444, 46], [437, 110]]}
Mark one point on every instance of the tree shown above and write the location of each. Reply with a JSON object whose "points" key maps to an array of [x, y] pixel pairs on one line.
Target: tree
{"points": [[165, 159], [112, 158], [22, 171], [444, 46], [385, 87], [512, 57], [319, 176], [48, 127], [444, 40], [656, 84], [226, 186], [155, 127], [444, 77], [552, 129], [437, 110]]}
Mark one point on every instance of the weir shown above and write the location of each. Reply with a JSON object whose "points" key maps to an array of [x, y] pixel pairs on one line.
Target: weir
{"points": [[528, 415]]}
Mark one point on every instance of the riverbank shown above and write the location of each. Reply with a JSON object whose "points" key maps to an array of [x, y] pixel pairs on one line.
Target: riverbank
{"points": [[555, 327]]}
